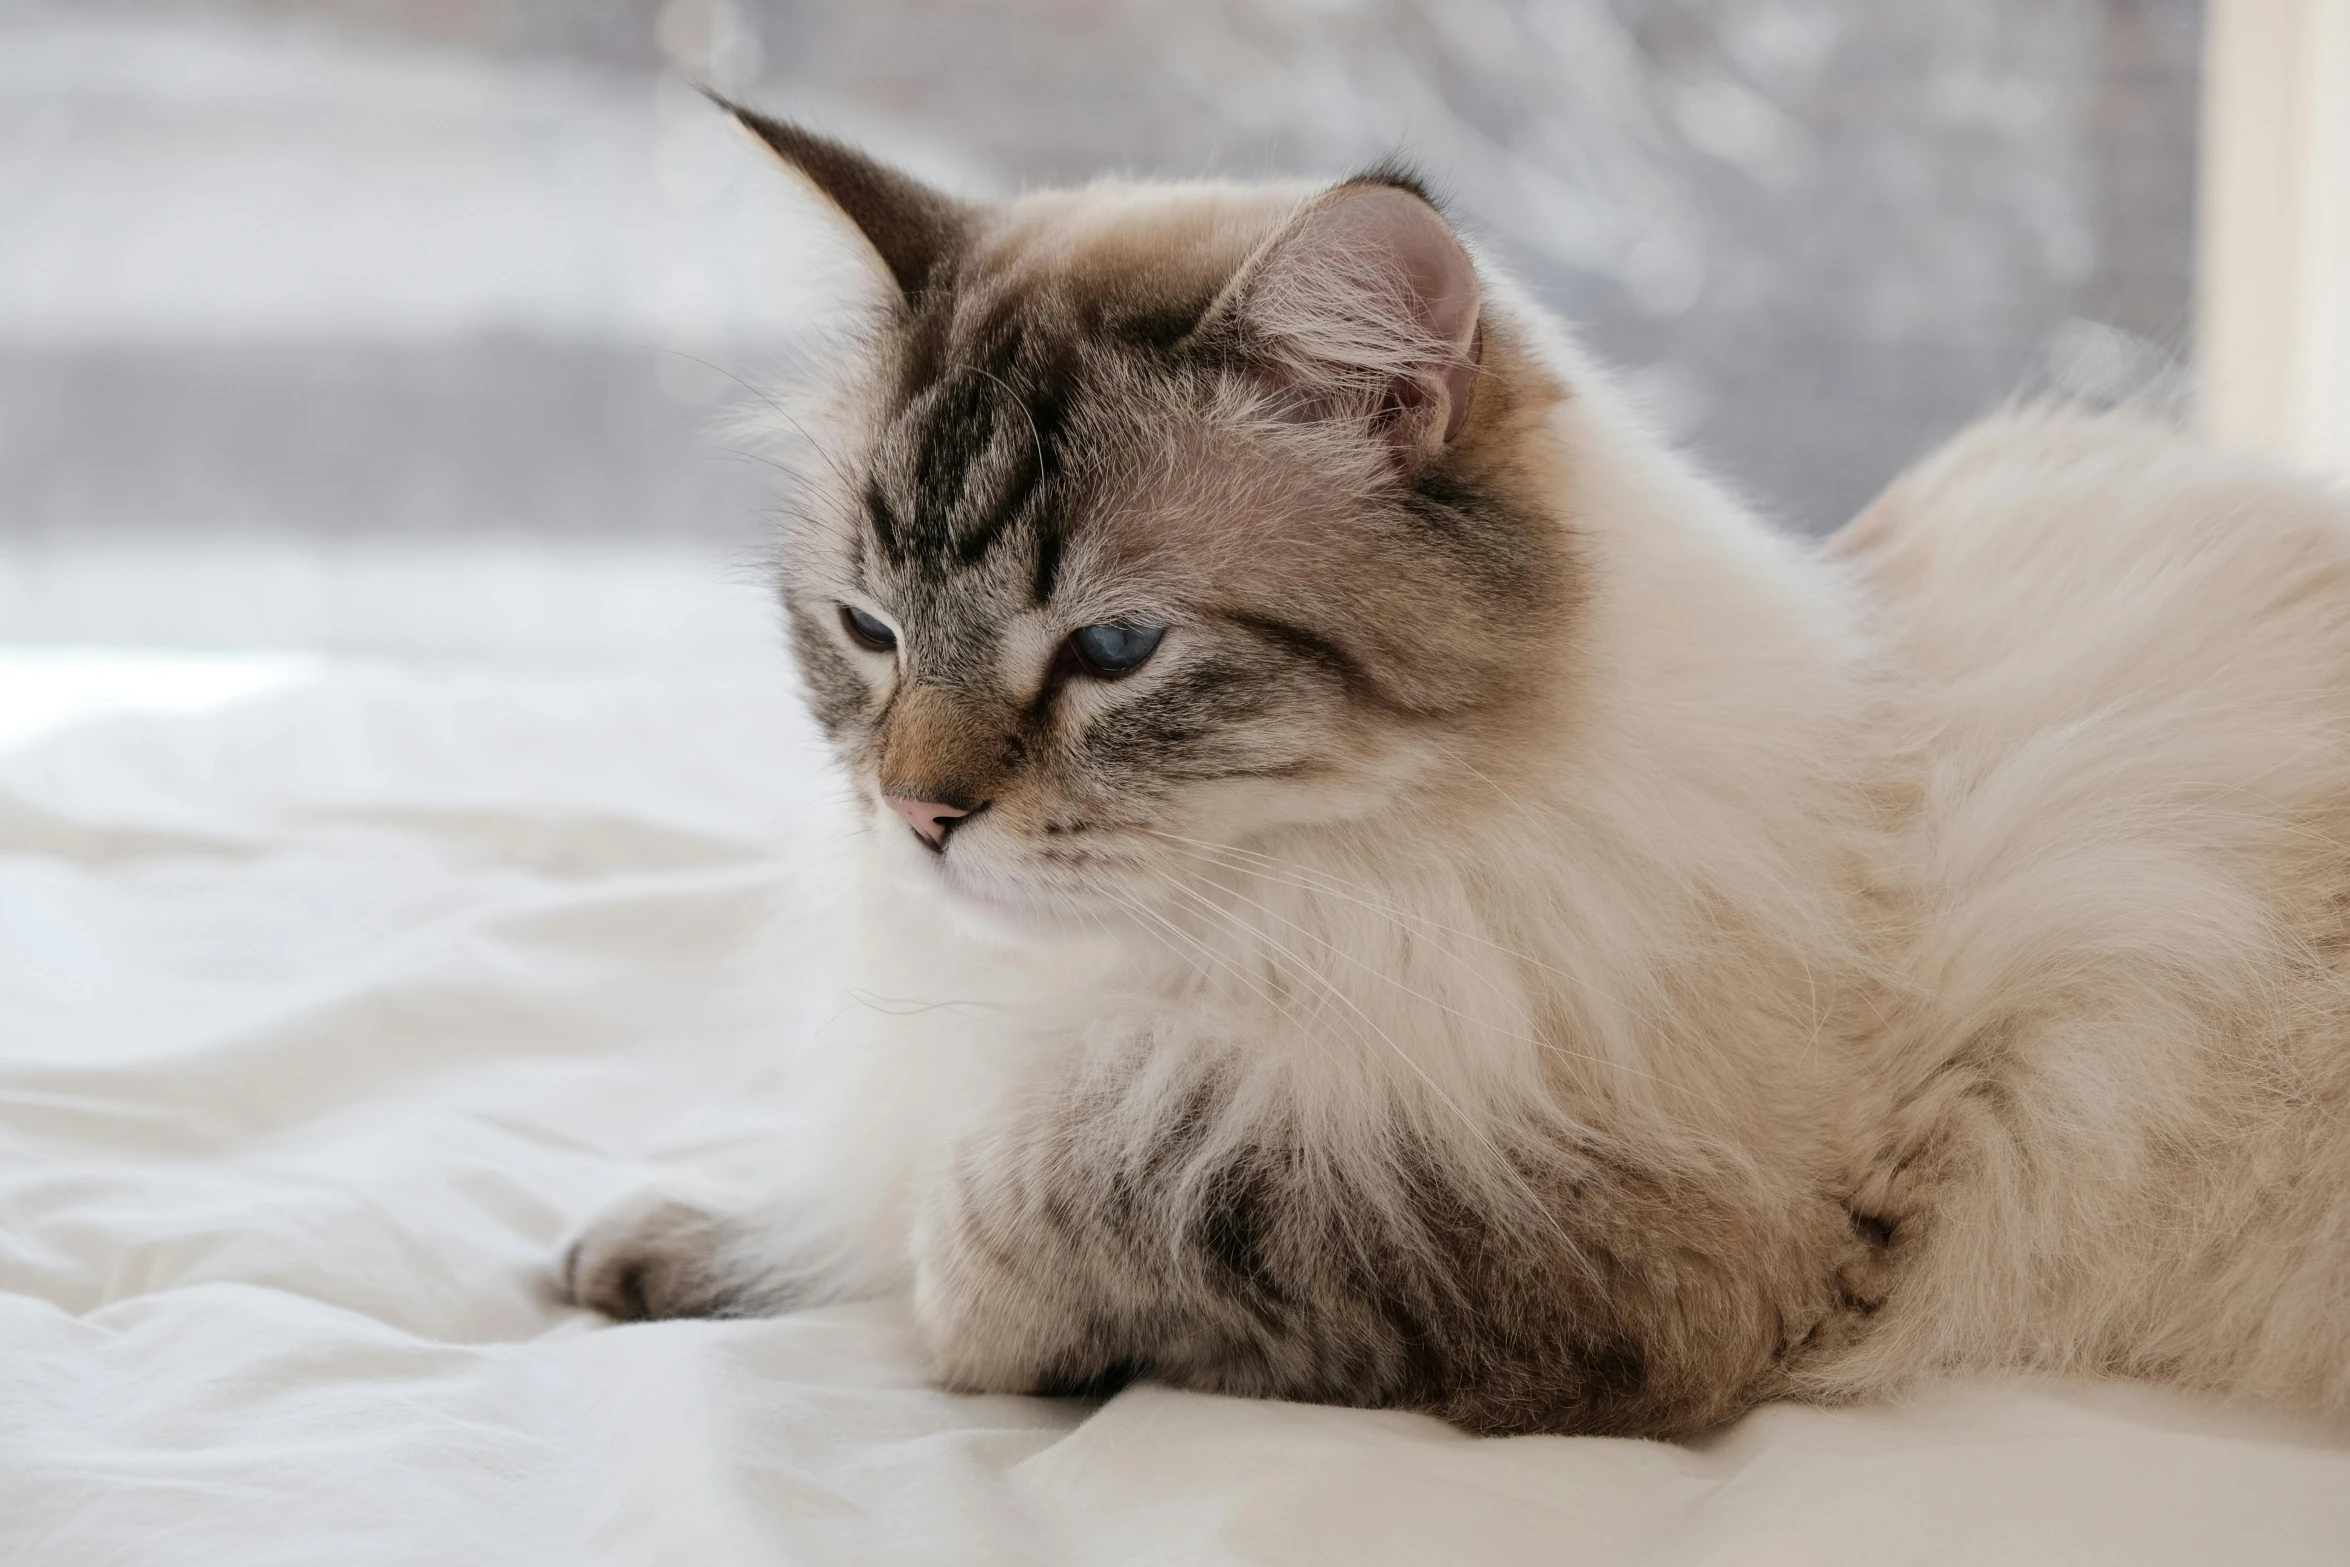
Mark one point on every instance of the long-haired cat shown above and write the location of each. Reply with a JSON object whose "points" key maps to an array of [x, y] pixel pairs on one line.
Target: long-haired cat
{"points": [[1467, 919]]}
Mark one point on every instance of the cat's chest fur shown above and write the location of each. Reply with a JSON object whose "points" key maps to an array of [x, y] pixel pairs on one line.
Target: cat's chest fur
{"points": [[1387, 1129]]}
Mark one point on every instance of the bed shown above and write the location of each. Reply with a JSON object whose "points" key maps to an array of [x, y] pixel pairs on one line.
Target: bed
{"points": [[335, 993]]}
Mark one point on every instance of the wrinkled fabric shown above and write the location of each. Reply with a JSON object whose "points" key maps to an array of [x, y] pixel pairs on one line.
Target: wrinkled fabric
{"points": [[333, 997]]}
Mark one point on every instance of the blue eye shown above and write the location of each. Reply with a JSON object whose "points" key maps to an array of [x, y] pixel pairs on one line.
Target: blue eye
{"points": [[867, 630], [1115, 648]]}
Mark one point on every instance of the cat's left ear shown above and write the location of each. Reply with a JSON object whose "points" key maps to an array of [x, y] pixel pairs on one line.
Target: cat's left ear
{"points": [[1366, 306], [915, 231]]}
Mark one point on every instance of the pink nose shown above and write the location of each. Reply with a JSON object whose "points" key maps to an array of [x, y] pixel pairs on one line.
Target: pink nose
{"points": [[929, 818]]}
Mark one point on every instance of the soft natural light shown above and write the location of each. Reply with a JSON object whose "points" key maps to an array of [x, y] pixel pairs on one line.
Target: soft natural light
{"points": [[45, 689]]}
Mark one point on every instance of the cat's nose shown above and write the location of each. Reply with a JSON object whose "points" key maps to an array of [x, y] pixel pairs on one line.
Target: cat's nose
{"points": [[930, 820]]}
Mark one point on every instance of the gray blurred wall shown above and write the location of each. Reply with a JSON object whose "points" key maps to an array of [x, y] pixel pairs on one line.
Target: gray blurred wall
{"points": [[1819, 234]]}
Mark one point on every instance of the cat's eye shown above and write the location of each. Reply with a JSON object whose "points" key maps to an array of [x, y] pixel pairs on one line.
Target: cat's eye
{"points": [[1115, 648], [868, 631]]}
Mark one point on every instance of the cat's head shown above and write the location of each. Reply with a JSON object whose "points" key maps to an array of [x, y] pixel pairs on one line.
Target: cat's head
{"points": [[1156, 520]]}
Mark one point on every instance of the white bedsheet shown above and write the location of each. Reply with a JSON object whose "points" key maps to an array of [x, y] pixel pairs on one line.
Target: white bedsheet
{"points": [[332, 996]]}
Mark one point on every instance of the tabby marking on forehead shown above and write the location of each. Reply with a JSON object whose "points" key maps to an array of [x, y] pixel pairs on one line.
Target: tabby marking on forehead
{"points": [[994, 374]]}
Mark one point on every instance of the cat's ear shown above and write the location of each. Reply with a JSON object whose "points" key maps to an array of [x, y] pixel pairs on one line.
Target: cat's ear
{"points": [[1366, 306], [915, 231]]}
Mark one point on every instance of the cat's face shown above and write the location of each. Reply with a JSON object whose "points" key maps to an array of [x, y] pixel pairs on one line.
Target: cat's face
{"points": [[1149, 539]]}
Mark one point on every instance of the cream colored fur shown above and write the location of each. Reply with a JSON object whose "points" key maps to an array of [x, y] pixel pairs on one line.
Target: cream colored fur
{"points": [[1949, 922], [1994, 858], [2122, 669]]}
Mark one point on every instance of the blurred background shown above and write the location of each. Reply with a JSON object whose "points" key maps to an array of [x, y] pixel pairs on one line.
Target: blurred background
{"points": [[401, 325]]}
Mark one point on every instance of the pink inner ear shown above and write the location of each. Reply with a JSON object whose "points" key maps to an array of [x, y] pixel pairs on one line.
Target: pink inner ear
{"points": [[1375, 304]]}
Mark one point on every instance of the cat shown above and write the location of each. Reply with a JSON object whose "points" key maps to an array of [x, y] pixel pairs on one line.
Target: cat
{"points": [[1447, 911]]}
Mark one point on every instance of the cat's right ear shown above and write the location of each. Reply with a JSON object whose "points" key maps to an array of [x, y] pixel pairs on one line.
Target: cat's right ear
{"points": [[1366, 306], [914, 231]]}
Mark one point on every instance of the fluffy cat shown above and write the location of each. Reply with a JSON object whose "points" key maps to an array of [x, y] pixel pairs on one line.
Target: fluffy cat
{"points": [[1449, 912]]}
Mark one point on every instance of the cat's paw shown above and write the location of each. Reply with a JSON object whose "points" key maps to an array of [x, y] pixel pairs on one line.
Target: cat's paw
{"points": [[655, 1257]]}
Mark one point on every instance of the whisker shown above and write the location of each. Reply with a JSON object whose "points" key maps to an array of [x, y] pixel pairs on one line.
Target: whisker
{"points": [[1468, 1123], [1536, 1041], [1017, 402], [781, 412], [1542, 827], [1401, 916], [1141, 911]]}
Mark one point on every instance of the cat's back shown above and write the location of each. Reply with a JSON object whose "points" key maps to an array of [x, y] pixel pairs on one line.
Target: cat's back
{"points": [[2125, 656], [2124, 661], [2053, 561]]}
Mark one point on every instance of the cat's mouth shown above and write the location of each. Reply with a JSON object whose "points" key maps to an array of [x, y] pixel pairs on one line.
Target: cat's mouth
{"points": [[978, 887], [1063, 894], [994, 892]]}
